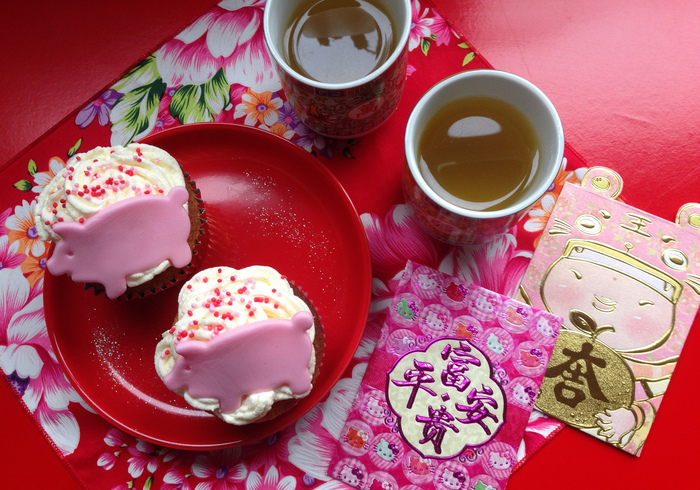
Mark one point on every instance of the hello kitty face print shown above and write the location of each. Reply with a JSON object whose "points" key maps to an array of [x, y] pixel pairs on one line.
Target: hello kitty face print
{"points": [[351, 472], [451, 476], [627, 285], [484, 305]]}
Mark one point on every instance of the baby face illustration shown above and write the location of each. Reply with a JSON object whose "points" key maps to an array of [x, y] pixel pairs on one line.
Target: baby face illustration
{"points": [[623, 302]]}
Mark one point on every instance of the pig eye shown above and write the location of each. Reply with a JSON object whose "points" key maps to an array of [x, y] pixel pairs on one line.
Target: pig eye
{"points": [[188, 368], [69, 254]]}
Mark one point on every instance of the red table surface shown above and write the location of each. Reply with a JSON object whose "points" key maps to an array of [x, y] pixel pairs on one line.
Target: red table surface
{"points": [[622, 75]]}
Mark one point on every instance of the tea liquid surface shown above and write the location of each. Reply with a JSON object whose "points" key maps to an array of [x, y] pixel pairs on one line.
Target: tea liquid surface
{"points": [[336, 41], [479, 153]]}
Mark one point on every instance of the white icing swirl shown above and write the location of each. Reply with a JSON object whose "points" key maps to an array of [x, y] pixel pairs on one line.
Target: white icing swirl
{"points": [[103, 176], [220, 299]]}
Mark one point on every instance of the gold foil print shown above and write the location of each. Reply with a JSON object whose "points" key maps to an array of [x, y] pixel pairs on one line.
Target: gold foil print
{"points": [[560, 227], [588, 224], [675, 259], [584, 378], [602, 180], [689, 215]]}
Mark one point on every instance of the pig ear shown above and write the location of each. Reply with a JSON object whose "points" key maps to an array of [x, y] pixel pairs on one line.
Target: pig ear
{"points": [[191, 349], [179, 195], [68, 231], [302, 320]]}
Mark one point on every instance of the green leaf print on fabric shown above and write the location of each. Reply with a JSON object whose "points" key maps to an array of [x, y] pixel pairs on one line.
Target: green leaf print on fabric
{"points": [[23, 185], [145, 73], [74, 149], [199, 103], [135, 113]]}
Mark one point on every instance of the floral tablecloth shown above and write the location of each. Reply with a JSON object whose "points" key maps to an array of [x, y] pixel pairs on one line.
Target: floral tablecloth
{"points": [[217, 69]]}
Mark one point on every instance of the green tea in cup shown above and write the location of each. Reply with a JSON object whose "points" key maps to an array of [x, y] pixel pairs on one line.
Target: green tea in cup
{"points": [[479, 153], [336, 41], [481, 147]]}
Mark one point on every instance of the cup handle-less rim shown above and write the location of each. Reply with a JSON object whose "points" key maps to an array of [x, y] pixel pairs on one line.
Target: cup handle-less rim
{"points": [[413, 132], [279, 59]]}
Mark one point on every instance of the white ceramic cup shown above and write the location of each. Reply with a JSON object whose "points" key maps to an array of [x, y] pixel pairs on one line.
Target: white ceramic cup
{"points": [[348, 109], [458, 225]]}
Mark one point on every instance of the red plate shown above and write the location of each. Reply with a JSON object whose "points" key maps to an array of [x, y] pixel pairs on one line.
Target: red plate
{"points": [[268, 202]]}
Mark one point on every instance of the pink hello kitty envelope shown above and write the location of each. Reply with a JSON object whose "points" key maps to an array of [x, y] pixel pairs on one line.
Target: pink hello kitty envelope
{"points": [[448, 390], [627, 285]]}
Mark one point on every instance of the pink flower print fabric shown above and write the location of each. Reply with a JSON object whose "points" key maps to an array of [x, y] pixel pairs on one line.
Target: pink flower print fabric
{"points": [[448, 390]]}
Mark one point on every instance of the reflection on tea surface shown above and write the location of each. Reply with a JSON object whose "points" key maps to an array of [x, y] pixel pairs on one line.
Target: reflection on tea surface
{"points": [[336, 41], [479, 153]]}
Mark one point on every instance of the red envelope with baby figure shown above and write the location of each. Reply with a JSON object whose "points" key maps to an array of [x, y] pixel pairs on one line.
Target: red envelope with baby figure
{"points": [[627, 285]]}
